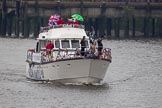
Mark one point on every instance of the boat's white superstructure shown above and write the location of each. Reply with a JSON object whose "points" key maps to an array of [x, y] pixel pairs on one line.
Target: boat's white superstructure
{"points": [[65, 66]]}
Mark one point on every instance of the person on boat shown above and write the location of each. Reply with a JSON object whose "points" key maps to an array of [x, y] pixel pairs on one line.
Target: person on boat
{"points": [[37, 46], [77, 52], [83, 46], [93, 48], [66, 54], [72, 21], [60, 21], [49, 48], [107, 54], [100, 47]]}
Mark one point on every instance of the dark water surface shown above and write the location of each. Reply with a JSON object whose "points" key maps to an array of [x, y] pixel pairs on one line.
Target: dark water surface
{"points": [[133, 80]]}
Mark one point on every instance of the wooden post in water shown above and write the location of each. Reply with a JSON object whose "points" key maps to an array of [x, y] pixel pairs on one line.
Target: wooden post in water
{"points": [[146, 20], [10, 19], [17, 17], [102, 21], [9, 24], [133, 27], [29, 24], [117, 27], [158, 24], [109, 26], [153, 27], [81, 7], [146, 27], [0, 23], [26, 20], [102, 25], [58, 7], [41, 22], [96, 27], [36, 20], [160, 27], [126, 32], [93, 26], [88, 23], [4, 18]]}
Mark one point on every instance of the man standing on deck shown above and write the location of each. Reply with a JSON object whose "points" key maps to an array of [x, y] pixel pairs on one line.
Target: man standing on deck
{"points": [[83, 46]]}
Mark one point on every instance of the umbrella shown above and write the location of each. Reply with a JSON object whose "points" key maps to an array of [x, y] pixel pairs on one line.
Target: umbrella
{"points": [[77, 17]]}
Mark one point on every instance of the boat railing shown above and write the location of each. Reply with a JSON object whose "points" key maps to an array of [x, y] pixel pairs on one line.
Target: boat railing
{"points": [[65, 54], [45, 29], [67, 26]]}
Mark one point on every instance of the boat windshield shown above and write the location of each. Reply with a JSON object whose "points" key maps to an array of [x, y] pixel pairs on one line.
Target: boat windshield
{"points": [[75, 44], [57, 43], [43, 44], [65, 43]]}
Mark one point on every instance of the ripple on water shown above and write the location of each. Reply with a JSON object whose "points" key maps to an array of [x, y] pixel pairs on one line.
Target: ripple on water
{"points": [[133, 80]]}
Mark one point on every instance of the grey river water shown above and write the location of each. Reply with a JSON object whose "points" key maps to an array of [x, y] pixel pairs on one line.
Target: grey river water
{"points": [[133, 80]]}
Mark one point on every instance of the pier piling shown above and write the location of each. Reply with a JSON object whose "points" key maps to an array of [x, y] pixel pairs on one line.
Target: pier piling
{"points": [[0, 23], [4, 18], [117, 27], [133, 27], [17, 18], [26, 21], [109, 27], [36, 20], [153, 27]]}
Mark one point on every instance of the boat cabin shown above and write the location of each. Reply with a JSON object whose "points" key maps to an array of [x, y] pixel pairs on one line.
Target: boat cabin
{"points": [[63, 37]]}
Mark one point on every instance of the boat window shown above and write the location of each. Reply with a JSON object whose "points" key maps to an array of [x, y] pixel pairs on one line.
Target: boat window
{"points": [[65, 44], [43, 44], [75, 43], [57, 43]]}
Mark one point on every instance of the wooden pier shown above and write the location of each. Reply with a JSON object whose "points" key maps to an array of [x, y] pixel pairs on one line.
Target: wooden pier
{"points": [[23, 18]]}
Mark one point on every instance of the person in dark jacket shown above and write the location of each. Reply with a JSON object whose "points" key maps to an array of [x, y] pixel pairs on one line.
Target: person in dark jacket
{"points": [[100, 46], [83, 46]]}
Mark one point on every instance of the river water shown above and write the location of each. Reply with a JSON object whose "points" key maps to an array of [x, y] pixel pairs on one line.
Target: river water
{"points": [[133, 80]]}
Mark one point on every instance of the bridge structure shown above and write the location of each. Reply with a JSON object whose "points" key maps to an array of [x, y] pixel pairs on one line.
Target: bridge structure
{"points": [[108, 18]]}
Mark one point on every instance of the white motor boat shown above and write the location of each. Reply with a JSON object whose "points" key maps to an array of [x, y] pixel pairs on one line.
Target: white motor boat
{"points": [[65, 65]]}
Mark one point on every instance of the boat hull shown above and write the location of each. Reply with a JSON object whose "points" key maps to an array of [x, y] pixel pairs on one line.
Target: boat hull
{"points": [[69, 71]]}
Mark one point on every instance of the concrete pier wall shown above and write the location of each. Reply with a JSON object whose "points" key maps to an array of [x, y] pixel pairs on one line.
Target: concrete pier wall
{"points": [[109, 18]]}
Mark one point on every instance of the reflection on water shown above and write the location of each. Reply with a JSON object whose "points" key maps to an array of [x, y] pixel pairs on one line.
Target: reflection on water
{"points": [[133, 80]]}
